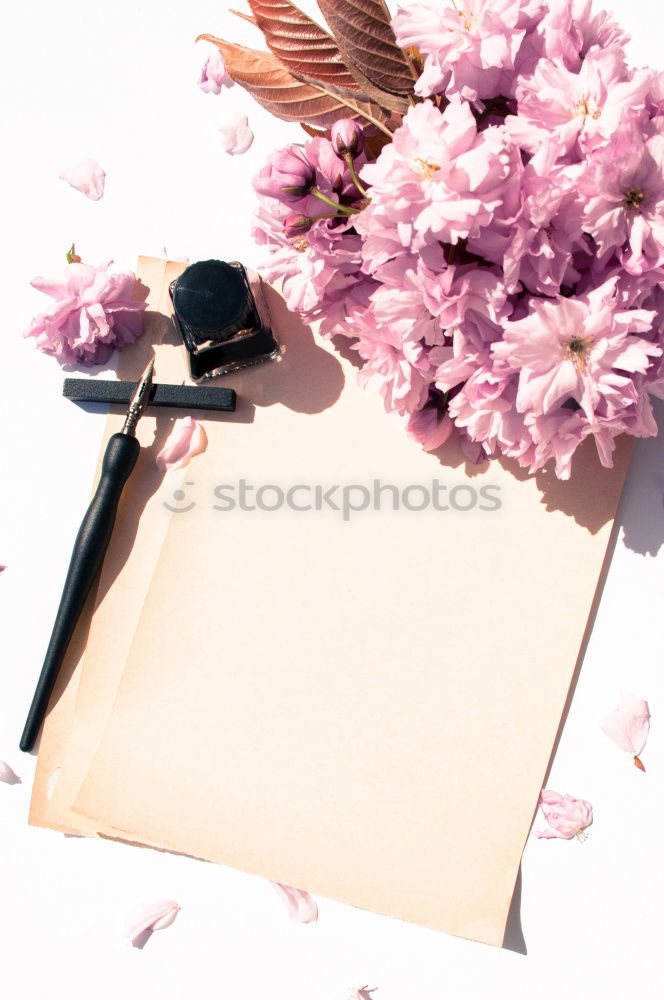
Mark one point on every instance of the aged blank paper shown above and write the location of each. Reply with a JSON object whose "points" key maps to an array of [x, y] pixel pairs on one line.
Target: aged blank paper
{"points": [[361, 707]]}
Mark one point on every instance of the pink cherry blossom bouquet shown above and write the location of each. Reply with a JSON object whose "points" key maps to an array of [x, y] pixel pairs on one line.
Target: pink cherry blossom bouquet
{"points": [[479, 209]]}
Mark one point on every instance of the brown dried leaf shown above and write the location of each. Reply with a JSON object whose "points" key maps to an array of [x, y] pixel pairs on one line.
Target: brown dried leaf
{"points": [[311, 53], [283, 95], [364, 34], [245, 17], [315, 133], [373, 144], [301, 45]]}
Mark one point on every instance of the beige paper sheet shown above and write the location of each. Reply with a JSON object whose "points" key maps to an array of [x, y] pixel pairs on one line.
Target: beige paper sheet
{"points": [[88, 682], [362, 708]]}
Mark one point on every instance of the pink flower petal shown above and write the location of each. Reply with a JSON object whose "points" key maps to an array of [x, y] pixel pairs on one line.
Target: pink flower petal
{"points": [[362, 993], [87, 177], [213, 77], [629, 724], [235, 135], [301, 906], [150, 916], [567, 817], [8, 775], [187, 438]]}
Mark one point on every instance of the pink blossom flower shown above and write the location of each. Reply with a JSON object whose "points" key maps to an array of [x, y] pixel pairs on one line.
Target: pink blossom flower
{"points": [[567, 817], [153, 915], [307, 264], [399, 372], [597, 28], [468, 46], [439, 179], [566, 32], [582, 349], [629, 725], [87, 177], [536, 244], [213, 77], [397, 333], [301, 906], [234, 133], [470, 304], [501, 277], [407, 299], [624, 185], [93, 312], [8, 775], [344, 304], [587, 106], [484, 411], [187, 439]]}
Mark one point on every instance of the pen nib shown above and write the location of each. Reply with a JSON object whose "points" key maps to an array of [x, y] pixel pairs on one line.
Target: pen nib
{"points": [[139, 400]]}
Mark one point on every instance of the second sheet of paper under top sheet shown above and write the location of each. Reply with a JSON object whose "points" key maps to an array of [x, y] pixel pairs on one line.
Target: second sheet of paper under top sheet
{"points": [[82, 701]]}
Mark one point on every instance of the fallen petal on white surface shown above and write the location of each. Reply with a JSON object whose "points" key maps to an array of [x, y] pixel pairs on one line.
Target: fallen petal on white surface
{"points": [[362, 993], [301, 905], [187, 438], [234, 133], [567, 817], [153, 915], [8, 775], [87, 177], [629, 725]]}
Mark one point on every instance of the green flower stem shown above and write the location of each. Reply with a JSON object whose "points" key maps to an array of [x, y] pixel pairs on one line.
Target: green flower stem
{"points": [[328, 201], [348, 157]]}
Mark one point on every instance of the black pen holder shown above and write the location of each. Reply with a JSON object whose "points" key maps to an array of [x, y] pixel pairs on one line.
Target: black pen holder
{"points": [[222, 318]]}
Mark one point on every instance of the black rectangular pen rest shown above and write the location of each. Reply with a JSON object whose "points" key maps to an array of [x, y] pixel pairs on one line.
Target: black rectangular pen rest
{"points": [[183, 397]]}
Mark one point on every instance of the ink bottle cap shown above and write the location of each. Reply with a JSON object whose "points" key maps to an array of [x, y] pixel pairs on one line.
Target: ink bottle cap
{"points": [[220, 311]]}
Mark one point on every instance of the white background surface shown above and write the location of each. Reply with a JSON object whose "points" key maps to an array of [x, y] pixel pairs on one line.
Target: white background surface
{"points": [[117, 81]]}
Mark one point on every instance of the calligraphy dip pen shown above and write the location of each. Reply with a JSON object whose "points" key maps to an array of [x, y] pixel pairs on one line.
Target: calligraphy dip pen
{"points": [[89, 549]]}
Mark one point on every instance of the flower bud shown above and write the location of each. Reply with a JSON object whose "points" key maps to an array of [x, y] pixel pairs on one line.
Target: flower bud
{"points": [[347, 137], [297, 225], [287, 176], [72, 256]]}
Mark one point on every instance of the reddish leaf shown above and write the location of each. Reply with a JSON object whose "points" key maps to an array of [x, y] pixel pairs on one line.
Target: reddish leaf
{"points": [[245, 17], [301, 45], [315, 133], [283, 95], [373, 144], [364, 34], [311, 53]]}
